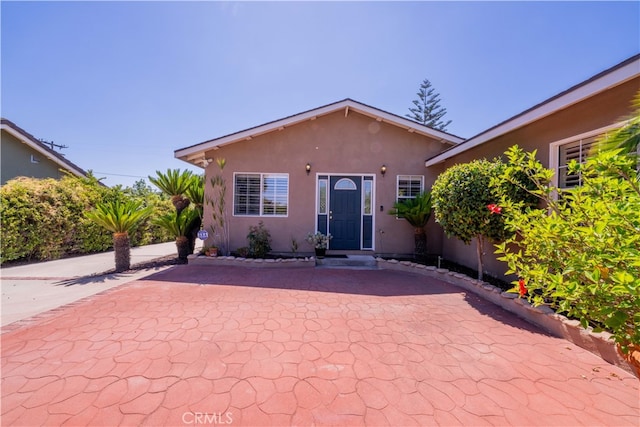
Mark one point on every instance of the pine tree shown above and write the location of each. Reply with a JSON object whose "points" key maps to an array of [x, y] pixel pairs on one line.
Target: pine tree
{"points": [[427, 109]]}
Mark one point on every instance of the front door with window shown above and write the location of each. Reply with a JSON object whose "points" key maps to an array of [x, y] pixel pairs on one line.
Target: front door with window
{"points": [[345, 212]]}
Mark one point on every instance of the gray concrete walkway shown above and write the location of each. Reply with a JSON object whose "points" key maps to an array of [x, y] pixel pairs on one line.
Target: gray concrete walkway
{"points": [[30, 289]]}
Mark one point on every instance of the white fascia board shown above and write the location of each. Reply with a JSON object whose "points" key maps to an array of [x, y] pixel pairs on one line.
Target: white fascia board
{"points": [[42, 151], [615, 78], [197, 151], [409, 125]]}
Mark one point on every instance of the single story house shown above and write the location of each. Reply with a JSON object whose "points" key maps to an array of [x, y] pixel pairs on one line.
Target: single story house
{"points": [[21, 154], [340, 168], [337, 169]]}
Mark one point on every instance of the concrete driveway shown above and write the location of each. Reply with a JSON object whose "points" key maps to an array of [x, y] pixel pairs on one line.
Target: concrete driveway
{"points": [[240, 346], [37, 287]]}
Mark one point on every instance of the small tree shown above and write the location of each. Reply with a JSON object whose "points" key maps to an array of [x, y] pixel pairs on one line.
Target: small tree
{"points": [[417, 212], [120, 218], [464, 202], [426, 109]]}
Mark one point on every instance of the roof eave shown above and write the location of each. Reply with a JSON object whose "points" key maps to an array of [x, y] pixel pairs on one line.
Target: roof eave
{"points": [[196, 154], [617, 75], [36, 145]]}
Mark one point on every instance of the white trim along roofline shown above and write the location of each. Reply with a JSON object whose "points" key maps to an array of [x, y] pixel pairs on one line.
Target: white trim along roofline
{"points": [[195, 154], [600, 82], [31, 141]]}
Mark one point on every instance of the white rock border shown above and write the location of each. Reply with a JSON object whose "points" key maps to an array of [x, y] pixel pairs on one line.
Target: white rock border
{"points": [[307, 262], [600, 343]]}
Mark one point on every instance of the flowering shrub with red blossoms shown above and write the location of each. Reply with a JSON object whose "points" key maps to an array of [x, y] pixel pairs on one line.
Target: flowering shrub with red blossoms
{"points": [[580, 252]]}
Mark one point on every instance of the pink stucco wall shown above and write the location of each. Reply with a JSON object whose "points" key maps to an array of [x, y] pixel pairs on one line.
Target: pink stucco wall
{"points": [[332, 144]]}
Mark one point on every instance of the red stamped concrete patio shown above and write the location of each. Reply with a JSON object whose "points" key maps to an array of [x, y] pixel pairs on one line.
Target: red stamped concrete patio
{"points": [[240, 346]]}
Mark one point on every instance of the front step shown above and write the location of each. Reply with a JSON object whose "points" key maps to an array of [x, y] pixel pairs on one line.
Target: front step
{"points": [[348, 261]]}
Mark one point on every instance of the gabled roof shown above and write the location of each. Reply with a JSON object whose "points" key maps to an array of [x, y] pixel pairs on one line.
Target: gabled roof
{"points": [[601, 82], [195, 154], [26, 138]]}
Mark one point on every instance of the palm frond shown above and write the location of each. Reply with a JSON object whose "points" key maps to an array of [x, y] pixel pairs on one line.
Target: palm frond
{"points": [[195, 191], [174, 182], [416, 211], [177, 224], [119, 216]]}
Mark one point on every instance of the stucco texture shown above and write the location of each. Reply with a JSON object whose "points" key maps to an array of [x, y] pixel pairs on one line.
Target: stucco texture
{"points": [[333, 144]]}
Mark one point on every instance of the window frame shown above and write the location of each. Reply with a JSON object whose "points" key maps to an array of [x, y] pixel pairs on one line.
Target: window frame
{"points": [[261, 207], [408, 177], [555, 146]]}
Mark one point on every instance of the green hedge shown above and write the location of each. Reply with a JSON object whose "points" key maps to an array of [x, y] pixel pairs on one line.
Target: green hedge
{"points": [[42, 219]]}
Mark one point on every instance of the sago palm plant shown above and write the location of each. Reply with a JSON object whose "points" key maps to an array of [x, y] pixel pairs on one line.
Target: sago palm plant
{"points": [[417, 212], [179, 225], [175, 184], [120, 218]]}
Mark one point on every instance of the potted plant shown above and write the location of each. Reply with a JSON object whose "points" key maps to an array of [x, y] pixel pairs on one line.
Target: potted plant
{"points": [[320, 242], [210, 251]]}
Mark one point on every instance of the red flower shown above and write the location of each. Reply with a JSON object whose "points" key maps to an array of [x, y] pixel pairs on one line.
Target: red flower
{"points": [[523, 288], [495, 209]]}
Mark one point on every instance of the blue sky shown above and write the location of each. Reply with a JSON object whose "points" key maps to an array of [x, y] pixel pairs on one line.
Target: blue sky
{"points": [[124, 84]]}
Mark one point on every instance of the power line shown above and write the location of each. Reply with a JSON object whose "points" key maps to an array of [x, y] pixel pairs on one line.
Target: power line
{"points": [[117, 174]]}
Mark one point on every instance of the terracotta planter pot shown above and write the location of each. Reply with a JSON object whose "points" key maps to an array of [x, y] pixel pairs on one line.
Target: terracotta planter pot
{"points": [[632, 358]]}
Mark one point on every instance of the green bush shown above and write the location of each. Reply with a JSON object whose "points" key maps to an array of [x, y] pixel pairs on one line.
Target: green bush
{"points": [[581, 252], [43, 219], [461, 196], [259, 241]]}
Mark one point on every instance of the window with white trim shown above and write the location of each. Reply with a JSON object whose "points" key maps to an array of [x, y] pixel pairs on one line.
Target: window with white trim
{"points": [[260, 194], [409, 186], [577, 150]]}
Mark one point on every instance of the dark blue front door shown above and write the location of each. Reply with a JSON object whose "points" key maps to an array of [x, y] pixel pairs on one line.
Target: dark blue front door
{"points": [[345, 212]]}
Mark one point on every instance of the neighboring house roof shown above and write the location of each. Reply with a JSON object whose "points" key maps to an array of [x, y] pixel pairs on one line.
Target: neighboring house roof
{"points": [[26, 138], [601, 82], [195, 154]]}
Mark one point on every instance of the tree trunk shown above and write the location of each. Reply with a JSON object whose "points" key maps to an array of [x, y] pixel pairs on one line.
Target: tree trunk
{"points": [[420, 241], [480, 249], [122, 250], [182, 243]]}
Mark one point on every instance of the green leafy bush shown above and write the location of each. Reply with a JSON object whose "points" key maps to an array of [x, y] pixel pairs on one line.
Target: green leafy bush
{"points": [[259, 241], [460, 198], [43, 219], [581, 252]]}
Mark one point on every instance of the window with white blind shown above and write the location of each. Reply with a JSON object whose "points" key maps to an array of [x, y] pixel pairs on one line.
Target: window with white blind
{"points": [[260, 194], [409, 186], [577, 150]]}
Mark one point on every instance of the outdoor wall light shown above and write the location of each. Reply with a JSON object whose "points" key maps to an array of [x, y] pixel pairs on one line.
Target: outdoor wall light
{"points": [[308, 168], [383, 170]]}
